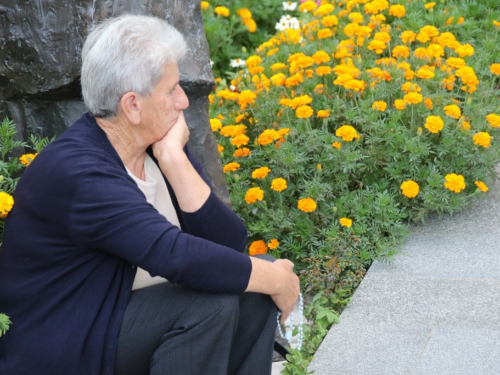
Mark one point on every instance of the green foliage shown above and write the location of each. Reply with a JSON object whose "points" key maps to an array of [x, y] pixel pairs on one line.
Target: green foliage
{"points": [[4, 324]]}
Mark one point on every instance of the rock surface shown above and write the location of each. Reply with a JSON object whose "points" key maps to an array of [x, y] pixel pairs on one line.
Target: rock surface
{"points": [[40, 57]]}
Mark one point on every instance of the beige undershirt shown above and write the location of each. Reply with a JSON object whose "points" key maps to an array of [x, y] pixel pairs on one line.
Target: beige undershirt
{"points": [[156, 192]]}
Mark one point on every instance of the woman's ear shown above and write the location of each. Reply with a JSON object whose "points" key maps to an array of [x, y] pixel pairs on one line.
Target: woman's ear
{"points": [[131, 105]]}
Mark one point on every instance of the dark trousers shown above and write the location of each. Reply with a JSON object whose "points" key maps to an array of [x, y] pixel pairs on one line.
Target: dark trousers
{"points": [[171, 330]]}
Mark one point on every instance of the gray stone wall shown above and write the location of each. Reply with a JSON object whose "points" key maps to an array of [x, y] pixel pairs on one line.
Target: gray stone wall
{"points": [[40, 57]]}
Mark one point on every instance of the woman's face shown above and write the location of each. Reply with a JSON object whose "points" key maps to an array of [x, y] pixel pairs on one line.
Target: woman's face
{"points": [[162, 108]]}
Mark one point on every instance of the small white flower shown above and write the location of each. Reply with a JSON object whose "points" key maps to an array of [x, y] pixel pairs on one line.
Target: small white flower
{"points": [[211, 63], [237, 63], [289, 5], [287, 22]]}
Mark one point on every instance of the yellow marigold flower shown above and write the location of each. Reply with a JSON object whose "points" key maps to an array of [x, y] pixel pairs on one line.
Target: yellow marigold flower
{"points": [[251, 25], [324, 113], [425, 73], [304, 111], [254, 194], [308, 6], [205, 5], [257, 247], [240, 140], [496, 23], [278, 66], [429, 5], [481, 186], [356, 17], [345, 222], [426, 33], [460, 20], [380, 106], [467, 75], [231, 167], [337, 145], [299, 101], [454, 182], [242, 152], [222, 11], [268, 136], [409, 189], [494, 120], [330, 21], [410, 87], [278, 79], [408, 36], [253, 60], [246, 97], [428, 103], [215, 124], [294, 80], [397, 10], [465, 50], [324, 9], [382, 36], [452, 111], [355, 85], [320, 57], [319, 89], [244, 13], [413, 98], [400, 51], [434, 124], [324, 33], [220, 148], [278, 184], [482, 139], [6, 203], [261, 172], [455, 62], [495, 69], [377, 45], [399, 104], [347, 133], [376, 6], [323, 70], [447, 39], [26, 159], [273, 244], [306, 205]]}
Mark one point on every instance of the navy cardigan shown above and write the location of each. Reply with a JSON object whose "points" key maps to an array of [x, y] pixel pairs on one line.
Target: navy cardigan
{"points": [[79, 228]]}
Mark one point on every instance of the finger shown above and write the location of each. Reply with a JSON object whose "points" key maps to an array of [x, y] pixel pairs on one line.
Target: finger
{"points": [[284, 317]]}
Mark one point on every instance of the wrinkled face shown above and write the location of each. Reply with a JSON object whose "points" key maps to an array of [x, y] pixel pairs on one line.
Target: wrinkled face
{"points": [[161, 110]]}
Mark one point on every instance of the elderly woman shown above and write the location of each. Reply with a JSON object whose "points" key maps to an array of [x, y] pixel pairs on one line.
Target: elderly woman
{"points": [[114, 208]]}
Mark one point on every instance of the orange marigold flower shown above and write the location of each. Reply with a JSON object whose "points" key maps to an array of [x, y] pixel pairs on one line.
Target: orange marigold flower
{"points": [[452, 111], [337, 145], [261, 172], [205, 5], [220, 148], [254, 194], [493, 119], [434, 124], [355, 85], [246, 97], [6, 203], [307, 205], [268, 136], [278, 184], [409, 189], [320, 57], [482, 139], [380, 106], [279, 79], [455, 62], [347, 133], [323, 113], [454, 182], [496, 23], [330, 21], [253, 60], [26, 159], [428, 103], [323, 70], [278, 66], [308, 6], [465, 50], [231, 167], [400, 51], [242, 152], [345, 222], [257, 247], [273, 244], [408, 36], [240, 140], [410, 87], [294, 80], [397, 10], [304, 111], [425, 73], [377, 45], [430, 5], [481, 186]]}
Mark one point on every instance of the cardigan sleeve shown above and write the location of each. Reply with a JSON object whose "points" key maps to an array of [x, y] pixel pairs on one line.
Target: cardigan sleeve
{"points": [[109, 213]]}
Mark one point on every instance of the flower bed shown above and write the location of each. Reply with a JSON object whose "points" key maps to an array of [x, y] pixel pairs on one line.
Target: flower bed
{"points": [[356, 118]]}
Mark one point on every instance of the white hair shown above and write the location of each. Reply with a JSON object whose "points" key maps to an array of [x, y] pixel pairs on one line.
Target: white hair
{"points": [[123, 54]]}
